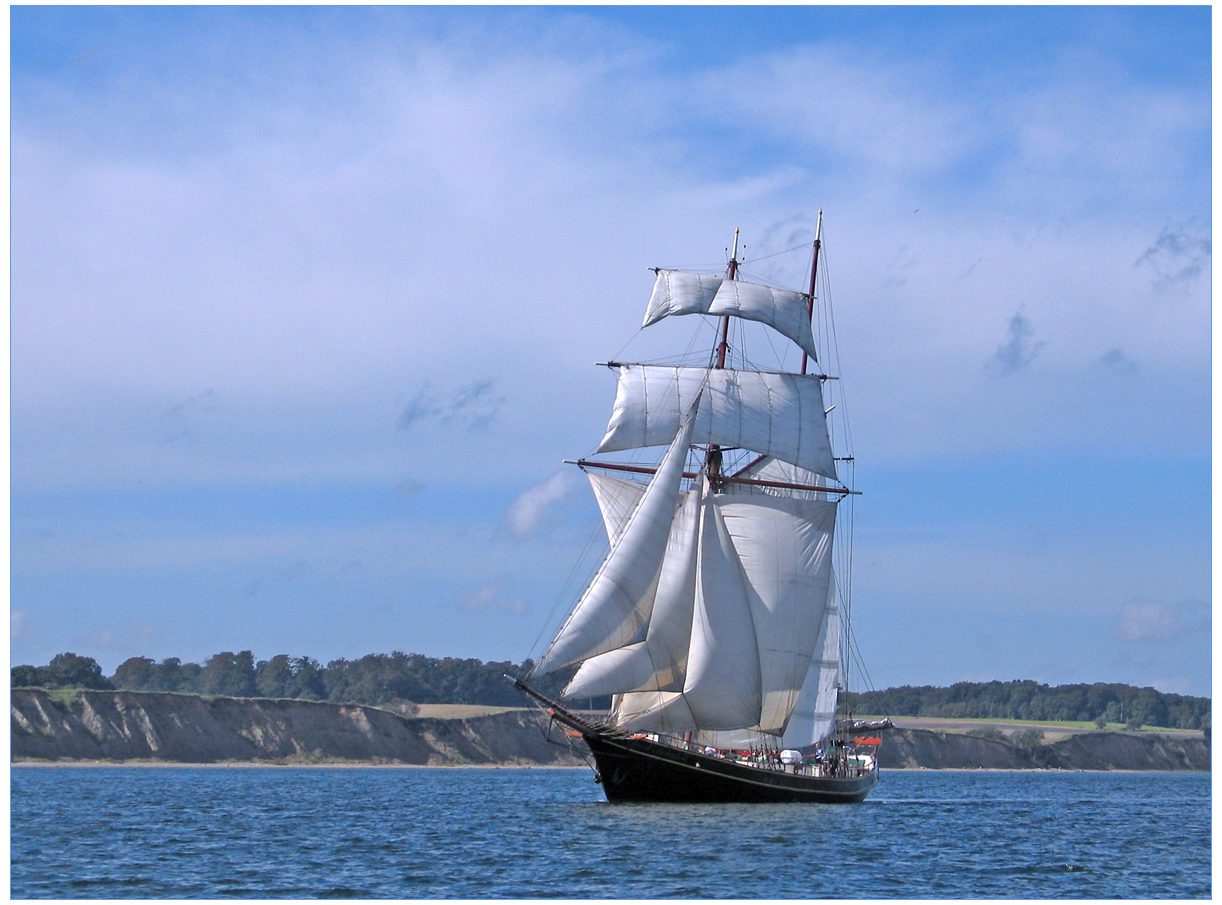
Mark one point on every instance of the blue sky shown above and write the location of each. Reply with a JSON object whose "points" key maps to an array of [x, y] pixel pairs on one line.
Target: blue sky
{"points": [[305, 304]]}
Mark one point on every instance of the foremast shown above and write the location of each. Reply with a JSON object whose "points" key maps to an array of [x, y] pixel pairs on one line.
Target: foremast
{"points": [[712, 459]]}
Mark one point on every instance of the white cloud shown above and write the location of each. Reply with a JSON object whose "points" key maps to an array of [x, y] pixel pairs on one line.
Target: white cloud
{"points": [[537, 508], [122, 637], [1143, 621], [272, 258], [870, 109], [496, 595]]}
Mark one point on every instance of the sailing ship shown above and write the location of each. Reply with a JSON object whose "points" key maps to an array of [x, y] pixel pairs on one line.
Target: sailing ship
{"points": [[717, 621]]}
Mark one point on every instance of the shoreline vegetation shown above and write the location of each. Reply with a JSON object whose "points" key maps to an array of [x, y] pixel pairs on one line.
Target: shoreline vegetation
{"points": [[414, 684]]}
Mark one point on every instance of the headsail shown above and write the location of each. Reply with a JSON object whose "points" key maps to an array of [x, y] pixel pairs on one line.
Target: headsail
{"points": [[660, 660], [615, 609]]}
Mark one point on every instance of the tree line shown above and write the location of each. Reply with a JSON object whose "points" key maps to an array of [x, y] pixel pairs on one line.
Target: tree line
{"points": [[1101, 703], [377, 679], [373, 679]]}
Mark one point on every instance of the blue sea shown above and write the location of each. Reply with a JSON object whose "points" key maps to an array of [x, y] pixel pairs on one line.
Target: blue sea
{"points": [[297, 833]]}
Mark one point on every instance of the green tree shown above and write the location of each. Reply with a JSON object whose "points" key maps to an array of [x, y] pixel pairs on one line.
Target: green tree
{"points": [[289, 677], [68, 670], [1150, 709], [229, 675], [136, 674], [25, 676]]}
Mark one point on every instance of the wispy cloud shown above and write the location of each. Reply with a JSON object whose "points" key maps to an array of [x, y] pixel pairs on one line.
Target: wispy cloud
{"points": [[495, 595], [123, 636], [1019, 350], [185, 221], [182, 421], [1180, 254], [1116, 361], [538, 508], [473, 406], [1142, 621], [407, 488]]}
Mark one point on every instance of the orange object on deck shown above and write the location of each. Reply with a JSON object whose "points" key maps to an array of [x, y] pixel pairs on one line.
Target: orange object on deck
{"points": [[867, 741]]}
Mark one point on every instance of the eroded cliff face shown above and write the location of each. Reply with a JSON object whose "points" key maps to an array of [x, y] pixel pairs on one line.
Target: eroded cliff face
{"points": [[125, 725], [178, 728], [921, 748]]}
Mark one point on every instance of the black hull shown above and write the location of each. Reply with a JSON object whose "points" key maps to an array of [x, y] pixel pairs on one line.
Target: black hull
{"points": [[637, 769]]}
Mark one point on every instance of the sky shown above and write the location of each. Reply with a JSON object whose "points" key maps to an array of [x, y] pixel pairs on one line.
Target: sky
{"points": [[306, 305]]}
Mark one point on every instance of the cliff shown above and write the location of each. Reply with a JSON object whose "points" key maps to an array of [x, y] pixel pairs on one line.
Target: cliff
{"points": [[922, 748], [178, 728]]}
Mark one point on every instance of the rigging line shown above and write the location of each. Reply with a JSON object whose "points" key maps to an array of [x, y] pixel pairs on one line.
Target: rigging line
{"points": [[566, 590], [831, 319], [631, 339], [759, 278], [779, 253], [855, 650]]}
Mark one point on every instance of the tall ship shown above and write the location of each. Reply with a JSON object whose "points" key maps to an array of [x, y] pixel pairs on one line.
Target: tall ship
{"points": [[717, 624]]}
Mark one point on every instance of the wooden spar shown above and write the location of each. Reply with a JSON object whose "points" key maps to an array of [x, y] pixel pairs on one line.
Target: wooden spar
{"points": [[814, 269], [728, 479], [712, 458], [725, 321]]}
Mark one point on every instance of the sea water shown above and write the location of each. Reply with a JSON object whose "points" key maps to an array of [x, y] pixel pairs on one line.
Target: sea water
{"points": [[280, 832]]}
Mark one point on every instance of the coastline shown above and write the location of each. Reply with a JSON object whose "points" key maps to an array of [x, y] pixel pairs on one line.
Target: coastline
{"points": [[142, 729], [362, 765]]}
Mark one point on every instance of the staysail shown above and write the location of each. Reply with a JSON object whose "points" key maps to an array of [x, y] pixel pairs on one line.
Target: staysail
{"points": [[615, 609]]}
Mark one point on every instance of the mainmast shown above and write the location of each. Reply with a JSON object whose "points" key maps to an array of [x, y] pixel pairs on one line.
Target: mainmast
{"points": [[814, 269]]}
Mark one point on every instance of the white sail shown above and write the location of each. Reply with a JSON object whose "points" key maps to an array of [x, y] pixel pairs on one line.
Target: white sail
{"points": [[659, 662], [617, 500], [615, 609], [653, 711], [722, 686], [714, 612], [679, 292], [814, 717], [785, 548], [776, 414], [767, 468], [763, 579]]}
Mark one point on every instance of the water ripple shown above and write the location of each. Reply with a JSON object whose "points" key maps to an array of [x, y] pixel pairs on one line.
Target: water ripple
{"points": [[194, 833]]}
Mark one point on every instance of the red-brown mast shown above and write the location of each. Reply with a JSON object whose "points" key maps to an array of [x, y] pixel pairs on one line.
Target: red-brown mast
{"points": [[725, 321], [814, 269], [712, 461]]}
